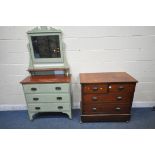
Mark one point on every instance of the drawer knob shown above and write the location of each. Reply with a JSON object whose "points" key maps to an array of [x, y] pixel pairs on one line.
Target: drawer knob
{"points": [[35, 99], [33, 89], [94, 109], [59, 98], [37, 108], [95, 88], [60, 107], [94, 98], [57, 88], [120, 88], [119, 98], [118, 108]]}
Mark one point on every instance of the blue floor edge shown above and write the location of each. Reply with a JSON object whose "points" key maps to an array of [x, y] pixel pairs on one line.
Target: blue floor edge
{"points": [[142, 118]]}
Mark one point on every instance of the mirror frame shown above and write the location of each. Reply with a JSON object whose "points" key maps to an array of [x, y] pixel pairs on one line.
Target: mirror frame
{"points": [[45, 32]]}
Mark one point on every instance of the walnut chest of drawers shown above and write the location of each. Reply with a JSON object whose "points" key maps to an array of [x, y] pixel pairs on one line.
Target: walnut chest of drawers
{"points": [[47, 93], [106, 96]]}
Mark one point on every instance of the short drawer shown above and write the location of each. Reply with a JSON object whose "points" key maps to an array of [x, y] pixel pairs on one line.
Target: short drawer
{"points": [[121, 88], [55, 107], [46, 88], [95, 88], [49, 98], [103, 98], [105, 109]]}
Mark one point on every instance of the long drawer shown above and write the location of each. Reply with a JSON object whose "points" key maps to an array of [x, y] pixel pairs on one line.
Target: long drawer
{"points": [[55, 107], [105, 109], [101, 98], [46, 88], [49, 98]]}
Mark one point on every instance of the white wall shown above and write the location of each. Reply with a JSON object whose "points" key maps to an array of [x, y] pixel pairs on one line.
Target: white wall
{"points": [[89, 49]]}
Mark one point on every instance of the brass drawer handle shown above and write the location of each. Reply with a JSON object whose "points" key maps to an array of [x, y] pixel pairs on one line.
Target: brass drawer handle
{"points": [[59, 98], [117, 108], [119, 98], [95, 88], [33, 89], [35, 99], [37, 108], [120, 88], [60, 107], [94, 109], [57, 88], [94, 98]]}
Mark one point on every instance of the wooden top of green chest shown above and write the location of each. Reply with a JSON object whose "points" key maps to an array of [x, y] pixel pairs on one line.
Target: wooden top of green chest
{"points": [[107, 77], [46, 79]]}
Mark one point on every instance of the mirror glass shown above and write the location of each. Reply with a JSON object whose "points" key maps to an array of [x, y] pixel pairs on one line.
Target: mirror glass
{"points": [[46, 46]]}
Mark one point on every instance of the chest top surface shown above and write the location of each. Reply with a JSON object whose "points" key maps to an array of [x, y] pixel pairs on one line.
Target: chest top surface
{"points": [[46, 79], [107, 77]]}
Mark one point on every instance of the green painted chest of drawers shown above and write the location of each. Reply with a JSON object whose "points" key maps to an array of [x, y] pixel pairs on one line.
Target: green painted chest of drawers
{"points": [[47, 89], [47, 94]]}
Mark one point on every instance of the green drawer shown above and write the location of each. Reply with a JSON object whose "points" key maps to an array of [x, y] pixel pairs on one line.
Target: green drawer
{"points": [[46, 88], [39, 98], [55, 107]]}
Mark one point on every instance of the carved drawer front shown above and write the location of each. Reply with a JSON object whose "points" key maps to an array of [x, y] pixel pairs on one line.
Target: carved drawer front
{"points": [[105, 109], [55, 107], [43, 98], [95, 88], [99, 98], [121, 88], [46, 88]]}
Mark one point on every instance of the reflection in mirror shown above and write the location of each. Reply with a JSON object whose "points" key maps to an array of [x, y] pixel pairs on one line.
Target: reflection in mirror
{"points": [[46, 46]]}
